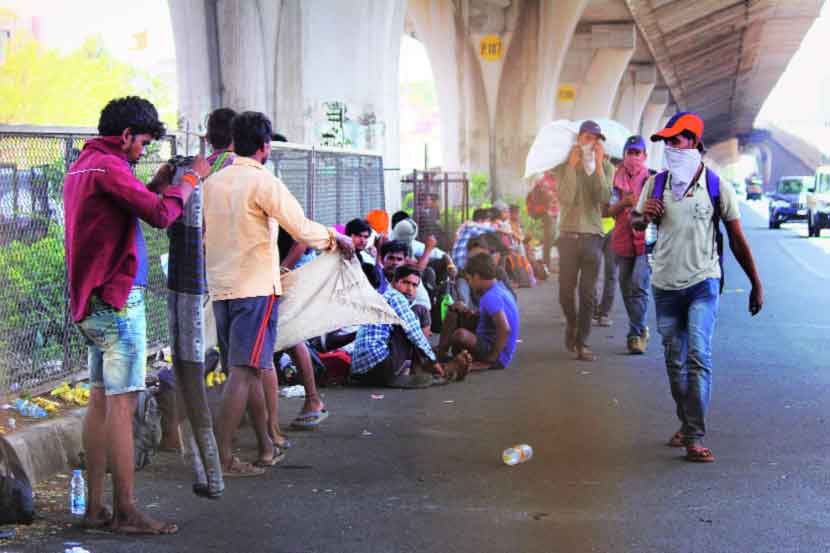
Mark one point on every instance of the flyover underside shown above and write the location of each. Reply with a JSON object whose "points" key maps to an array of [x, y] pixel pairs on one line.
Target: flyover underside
{"points": [[721, 58]]}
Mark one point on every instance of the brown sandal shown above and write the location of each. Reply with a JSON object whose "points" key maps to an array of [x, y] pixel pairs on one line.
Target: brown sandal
{"points": [[238, 469], [699, 455], [677, 440]]}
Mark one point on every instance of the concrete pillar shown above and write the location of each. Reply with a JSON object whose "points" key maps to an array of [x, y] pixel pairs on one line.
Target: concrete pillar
{"points": [[242, 56], [198, 90], [635, 92], [557, 23], [613, 47], [459, 82], [529, 83]]}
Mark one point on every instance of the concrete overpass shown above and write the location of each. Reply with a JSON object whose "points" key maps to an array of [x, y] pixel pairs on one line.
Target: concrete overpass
{"points": [[502, 68]]}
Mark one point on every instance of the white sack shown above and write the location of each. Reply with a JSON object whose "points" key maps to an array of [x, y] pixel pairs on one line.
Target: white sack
{"points": [[553, 143], [551, 146], [327, 294]]}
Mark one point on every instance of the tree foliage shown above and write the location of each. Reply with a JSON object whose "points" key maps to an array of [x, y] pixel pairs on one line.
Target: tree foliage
{"points": [[42, 86]]}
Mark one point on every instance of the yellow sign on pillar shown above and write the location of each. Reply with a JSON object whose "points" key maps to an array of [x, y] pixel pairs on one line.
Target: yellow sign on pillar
{"points": [[491, 48], [566, 93]]}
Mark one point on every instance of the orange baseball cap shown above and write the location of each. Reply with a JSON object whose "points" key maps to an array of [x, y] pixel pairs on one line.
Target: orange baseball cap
{"points": [[683, 121]]}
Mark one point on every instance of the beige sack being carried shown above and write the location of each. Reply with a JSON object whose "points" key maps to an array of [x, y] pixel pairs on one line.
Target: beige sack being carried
{"points": [[327, 294]]}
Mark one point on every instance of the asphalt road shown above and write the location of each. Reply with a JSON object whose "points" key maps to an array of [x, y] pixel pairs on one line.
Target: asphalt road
{"points": [[428, 477]]}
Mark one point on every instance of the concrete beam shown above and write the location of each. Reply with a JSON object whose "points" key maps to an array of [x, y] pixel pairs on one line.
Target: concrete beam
{"points": [[636, 89], [596, 94], [653, 116]]}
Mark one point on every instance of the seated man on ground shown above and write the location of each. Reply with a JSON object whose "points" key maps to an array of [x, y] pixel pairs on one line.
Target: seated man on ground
{"points": [[400, 356], [466, 295], [481, 224], [497, 328], [392, 256]]}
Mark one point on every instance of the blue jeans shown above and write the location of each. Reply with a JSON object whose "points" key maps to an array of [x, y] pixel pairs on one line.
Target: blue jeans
{"points": [[686, 321], [117, 344], [611, 271], [635, 280]]}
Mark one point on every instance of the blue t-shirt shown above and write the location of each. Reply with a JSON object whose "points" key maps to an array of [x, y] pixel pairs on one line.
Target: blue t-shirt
{"points": [[141, 253], [498, 298]]}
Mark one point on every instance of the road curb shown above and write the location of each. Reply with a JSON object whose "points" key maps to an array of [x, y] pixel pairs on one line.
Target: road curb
{"points": [[48, 447]]}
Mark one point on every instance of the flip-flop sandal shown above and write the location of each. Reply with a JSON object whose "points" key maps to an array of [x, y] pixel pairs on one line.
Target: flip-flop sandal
{"points": [[585, 354], [276, 457], [699, 455], [238, 469], [677, 440], [309, 420]]}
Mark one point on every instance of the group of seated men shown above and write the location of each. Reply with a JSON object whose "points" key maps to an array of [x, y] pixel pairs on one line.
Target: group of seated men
{"points": [[478, 330]]}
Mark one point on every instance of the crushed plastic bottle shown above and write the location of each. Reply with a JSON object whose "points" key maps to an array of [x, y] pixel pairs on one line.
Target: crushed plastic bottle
{"points": [[517, 454], [29, 409]]}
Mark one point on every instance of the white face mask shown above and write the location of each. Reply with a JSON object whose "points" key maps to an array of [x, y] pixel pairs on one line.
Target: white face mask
{"points": [[589, 160], [683, 165]]}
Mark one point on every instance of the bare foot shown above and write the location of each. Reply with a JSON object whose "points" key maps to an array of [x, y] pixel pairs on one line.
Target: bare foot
{"points": [[459, 367], [139, 523], [584, 353]]}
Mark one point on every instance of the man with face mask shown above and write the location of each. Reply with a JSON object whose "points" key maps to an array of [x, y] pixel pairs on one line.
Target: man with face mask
{"points": [[584, 186], [628, 244], [687, 270]]}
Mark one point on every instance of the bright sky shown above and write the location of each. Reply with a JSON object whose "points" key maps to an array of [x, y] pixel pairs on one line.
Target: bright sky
{"points": [[64, 24], [800, 102]]}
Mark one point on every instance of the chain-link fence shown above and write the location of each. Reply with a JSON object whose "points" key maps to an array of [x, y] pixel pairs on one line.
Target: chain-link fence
{"points": [[39, 345], [438, 202]]}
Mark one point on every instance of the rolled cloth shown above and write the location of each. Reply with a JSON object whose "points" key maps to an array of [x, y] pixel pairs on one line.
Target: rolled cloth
{"points": [[186, 299], [325, 295]]}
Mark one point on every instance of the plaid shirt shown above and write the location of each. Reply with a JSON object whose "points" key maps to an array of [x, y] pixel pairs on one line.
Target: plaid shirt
{"points": [[467, 231], [372, 343]]}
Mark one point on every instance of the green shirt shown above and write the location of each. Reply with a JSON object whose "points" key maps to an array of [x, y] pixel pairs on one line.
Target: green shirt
{"points": [[581, 197]]}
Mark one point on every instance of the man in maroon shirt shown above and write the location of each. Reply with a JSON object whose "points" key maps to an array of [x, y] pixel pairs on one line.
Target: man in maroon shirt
{"points": [[107, 268]]}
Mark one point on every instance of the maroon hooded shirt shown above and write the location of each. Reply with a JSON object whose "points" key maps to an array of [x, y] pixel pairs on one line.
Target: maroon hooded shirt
{"points": [[102, 201]]}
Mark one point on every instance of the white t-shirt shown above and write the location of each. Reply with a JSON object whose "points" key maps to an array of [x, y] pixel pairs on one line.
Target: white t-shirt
{"points": [[685, 253]]}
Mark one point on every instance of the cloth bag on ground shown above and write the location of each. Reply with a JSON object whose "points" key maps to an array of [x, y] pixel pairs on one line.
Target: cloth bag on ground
{"points": [[329, 293]]}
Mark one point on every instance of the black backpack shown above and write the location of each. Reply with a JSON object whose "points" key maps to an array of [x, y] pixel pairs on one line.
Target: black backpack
{"points": [[17, 505]]}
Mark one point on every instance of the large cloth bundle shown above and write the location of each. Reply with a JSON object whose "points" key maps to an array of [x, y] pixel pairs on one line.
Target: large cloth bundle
{"points": [[186, 299], [554, 142], [327, 294]]}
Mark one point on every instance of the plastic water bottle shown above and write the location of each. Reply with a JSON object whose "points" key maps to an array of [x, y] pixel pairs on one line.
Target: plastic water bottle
{"points": [[77, 494], [29, 409], [517, 454], [651, 235]]}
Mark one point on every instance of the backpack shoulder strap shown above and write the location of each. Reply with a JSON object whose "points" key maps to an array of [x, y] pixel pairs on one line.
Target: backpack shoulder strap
{"points": [[713, 188], [659, 185]]}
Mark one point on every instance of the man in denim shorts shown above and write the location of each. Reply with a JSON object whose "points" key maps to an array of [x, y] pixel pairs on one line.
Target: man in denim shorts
{"points": [[107, 268]]}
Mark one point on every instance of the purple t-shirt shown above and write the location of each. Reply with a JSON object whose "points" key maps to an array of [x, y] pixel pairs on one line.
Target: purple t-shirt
{"points": [[498, 298]]}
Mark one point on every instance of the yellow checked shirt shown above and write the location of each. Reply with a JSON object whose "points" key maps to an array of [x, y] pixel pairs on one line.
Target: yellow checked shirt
{"points": [[244, 206]]}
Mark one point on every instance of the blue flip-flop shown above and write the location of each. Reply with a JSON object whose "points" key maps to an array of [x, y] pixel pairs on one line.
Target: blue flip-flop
{"points": [[309, 420]]}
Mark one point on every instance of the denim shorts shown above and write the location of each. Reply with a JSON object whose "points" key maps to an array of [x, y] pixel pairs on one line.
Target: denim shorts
{"points": [[117, 344]]}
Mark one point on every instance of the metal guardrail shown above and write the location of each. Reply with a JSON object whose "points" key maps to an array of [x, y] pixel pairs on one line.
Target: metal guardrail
{"points": [[39, 345]]}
